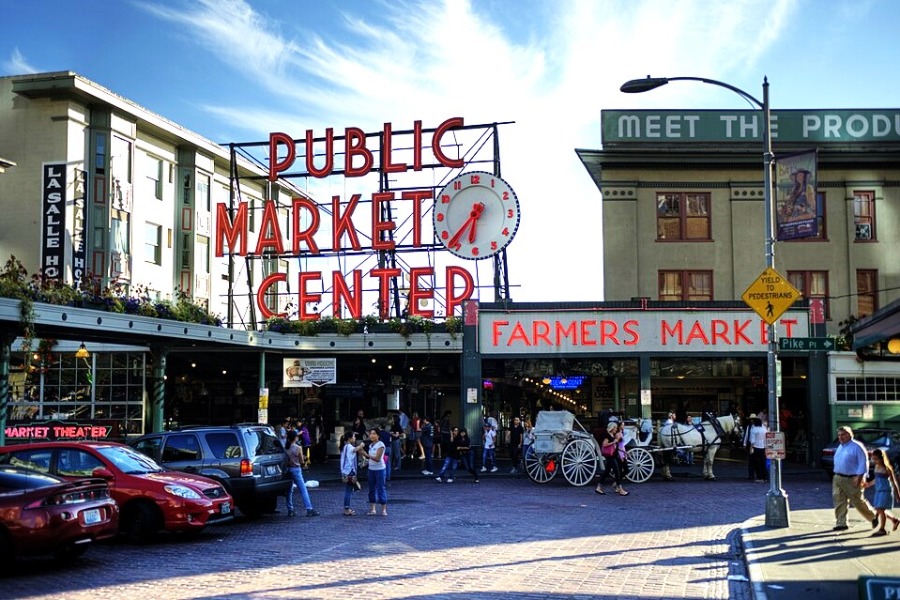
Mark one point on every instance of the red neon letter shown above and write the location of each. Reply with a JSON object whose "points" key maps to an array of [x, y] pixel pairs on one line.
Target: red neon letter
{"points": [[305, 297], [631, 328], [386, 149], [417, 196], [343, 223], [341, 294], [305, 235], [540, 331], [436, 143], [230, 231], [468, 288], [356, 146], [495, 332], [417, 293], [379, 241], [384, 288], [261, 295], [720, 332], [671, 331], [311, 154], [269, 223], [277, 166]]}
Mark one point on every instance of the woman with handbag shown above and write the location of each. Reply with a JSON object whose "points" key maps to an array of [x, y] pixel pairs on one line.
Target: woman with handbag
{"points": [[348, 470], [609, 448]]}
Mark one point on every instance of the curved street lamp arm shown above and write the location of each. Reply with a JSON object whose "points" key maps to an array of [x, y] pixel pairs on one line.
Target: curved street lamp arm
{"points": [[636, 86]]}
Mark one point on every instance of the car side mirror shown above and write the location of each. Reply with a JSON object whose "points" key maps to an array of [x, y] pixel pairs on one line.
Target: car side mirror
{"points": [[103, 473]]}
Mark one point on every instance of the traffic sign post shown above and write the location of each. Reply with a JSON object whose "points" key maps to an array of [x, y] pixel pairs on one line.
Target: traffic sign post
{"points": [[770, 295], [806, 343]]}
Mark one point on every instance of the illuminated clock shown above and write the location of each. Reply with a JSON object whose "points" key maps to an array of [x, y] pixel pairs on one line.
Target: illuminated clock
{"points": [[476, 215]]}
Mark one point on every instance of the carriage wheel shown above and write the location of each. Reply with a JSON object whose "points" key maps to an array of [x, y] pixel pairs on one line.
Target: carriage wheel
{"points": [[541, 466], [579, 462], [640, 465]]}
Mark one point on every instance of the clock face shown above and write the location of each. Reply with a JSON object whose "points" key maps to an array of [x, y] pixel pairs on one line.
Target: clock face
{"points": [[476, 215]]}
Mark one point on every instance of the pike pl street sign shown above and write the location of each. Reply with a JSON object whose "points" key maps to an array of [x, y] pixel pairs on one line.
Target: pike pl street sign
{"points": [[806, 343]]}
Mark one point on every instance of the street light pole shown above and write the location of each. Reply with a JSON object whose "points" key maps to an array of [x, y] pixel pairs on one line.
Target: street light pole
{"points": [[777, 511]]}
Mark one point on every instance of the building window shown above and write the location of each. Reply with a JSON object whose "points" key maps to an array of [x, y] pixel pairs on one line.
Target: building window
{"points": [[685, 285], [155, 176], [864, 216], [100, 153], [203, 254], [866, 292], [203, 199], [812, 284], [867, 389], [121, 159], [153, 243], [682, 216]]}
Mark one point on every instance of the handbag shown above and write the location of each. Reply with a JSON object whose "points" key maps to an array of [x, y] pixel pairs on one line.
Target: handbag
{"points": [[608, 451]]}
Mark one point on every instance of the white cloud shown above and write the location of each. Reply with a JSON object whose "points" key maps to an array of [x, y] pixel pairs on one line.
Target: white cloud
{"points": [[18, 65], [551, 73]]}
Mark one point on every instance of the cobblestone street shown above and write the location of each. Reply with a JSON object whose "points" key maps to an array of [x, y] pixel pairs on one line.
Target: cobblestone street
{"points": [[506, 537]]}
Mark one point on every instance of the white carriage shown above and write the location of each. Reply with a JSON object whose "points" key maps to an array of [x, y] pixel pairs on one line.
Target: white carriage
{"points": [[558, 446], [562, 444]]}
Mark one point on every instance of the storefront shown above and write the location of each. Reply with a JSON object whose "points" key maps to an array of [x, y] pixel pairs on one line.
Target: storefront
{"points": [[641, 359]]}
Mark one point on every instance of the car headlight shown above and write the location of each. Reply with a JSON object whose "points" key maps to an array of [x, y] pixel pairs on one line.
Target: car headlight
{"points": [[183, 492]]}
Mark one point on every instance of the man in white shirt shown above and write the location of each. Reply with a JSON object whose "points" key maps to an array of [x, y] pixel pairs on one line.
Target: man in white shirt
{"points": [[851, 465], [488, 455]]}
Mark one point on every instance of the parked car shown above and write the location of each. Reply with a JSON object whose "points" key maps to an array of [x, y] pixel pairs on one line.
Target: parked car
{"points": [[246, 459], [150, 498], [871, 437], [44, 514]]}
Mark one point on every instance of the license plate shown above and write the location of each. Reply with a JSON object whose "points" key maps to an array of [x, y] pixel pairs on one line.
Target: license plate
{"points": [[226, 508], [272, 470], [92, 517]]}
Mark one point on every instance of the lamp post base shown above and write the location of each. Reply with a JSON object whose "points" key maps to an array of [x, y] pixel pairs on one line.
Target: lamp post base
{"points": [[777, 509]]}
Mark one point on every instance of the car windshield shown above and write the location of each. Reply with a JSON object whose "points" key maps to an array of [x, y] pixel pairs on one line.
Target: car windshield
{"points": [[129, 461], [261, 442]]}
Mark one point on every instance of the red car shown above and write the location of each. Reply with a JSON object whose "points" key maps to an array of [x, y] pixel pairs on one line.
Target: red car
{"points": [[44, 514], [150, 498]]}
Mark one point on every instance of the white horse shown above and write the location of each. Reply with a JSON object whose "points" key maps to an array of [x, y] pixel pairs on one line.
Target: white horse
{"points": [[705, 438]]}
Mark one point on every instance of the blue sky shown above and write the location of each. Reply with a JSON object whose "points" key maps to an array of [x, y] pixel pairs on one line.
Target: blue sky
{"points": [[235, 70]]}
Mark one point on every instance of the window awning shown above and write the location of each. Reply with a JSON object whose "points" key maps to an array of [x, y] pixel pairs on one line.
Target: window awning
{"points": [[881, 326]]}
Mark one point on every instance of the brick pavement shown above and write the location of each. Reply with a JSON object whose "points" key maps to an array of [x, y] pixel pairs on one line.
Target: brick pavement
{"points": [[503, 538]]}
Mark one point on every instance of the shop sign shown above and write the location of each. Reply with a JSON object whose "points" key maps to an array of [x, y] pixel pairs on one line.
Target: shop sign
{"points": [[616, 332], [311, 229], [53, 222], [308, 372], [723, 127], [55, 430]]}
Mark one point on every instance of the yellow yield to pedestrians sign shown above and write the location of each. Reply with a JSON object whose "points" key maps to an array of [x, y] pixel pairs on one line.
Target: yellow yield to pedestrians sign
{"points": [[770, 295]]}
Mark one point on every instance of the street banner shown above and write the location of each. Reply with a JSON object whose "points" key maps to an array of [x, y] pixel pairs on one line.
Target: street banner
{"points": [[796, 205]]}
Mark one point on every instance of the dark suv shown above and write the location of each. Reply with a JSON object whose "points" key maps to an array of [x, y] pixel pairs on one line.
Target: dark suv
{"points": [[245, 458]]}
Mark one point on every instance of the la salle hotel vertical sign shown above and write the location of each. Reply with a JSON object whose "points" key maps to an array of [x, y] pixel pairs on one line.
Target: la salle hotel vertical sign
{"points": [[53, 219]]}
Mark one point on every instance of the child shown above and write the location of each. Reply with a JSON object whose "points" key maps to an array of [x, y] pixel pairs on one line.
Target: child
{"points": [[348, 469], [886, 489]]}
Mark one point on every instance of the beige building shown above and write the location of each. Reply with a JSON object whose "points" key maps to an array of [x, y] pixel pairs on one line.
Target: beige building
{"points": [[683, 211], [103, 186]]}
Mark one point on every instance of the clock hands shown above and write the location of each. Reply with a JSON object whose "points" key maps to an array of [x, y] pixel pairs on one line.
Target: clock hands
{"points": [[471, 224]]}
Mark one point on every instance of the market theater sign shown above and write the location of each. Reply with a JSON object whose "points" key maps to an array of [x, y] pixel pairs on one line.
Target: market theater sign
{"points": [[56, 430], [305, 218], [605, 331]]}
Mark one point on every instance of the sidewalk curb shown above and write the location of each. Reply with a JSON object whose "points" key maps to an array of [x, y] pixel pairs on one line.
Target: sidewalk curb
{"points": [[754, 570]]}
